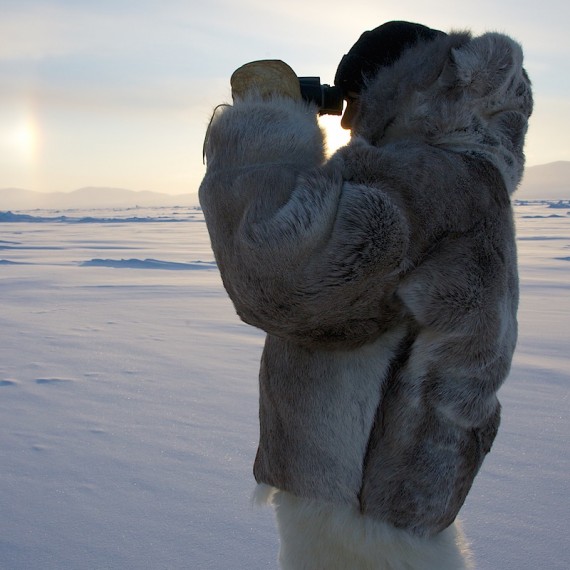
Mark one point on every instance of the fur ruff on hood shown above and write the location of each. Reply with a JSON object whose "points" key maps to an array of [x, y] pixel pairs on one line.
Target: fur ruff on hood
{"points": [[465, 94]]}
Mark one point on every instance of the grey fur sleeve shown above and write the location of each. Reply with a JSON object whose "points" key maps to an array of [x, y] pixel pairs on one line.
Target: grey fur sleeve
{"points": [[297, 247]]}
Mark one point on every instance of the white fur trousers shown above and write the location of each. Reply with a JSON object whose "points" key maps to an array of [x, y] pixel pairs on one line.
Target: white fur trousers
{"points": [[323, 536]]}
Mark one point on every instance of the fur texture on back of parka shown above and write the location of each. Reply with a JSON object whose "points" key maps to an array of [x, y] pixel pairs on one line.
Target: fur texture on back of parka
{"points": [[465, 94], [384, 277]]}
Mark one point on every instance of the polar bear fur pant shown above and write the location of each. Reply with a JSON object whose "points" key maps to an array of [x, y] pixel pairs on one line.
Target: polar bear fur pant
{"points": [[322, 536]]}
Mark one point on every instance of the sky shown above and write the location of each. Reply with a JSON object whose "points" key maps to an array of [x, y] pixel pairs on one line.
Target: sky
{"points": [[118, 93]]}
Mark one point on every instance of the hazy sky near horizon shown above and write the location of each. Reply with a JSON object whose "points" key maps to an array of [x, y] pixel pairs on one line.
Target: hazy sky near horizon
{"points": [[119, 92]]}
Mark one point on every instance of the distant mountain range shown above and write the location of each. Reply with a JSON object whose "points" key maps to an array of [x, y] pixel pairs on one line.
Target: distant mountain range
{"points": [[545, 182], [90, 197]]}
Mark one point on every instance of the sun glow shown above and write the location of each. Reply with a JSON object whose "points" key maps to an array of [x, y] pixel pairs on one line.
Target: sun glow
{"points": [[336, 136], [20, 141], [26, 139], [20, 145]]}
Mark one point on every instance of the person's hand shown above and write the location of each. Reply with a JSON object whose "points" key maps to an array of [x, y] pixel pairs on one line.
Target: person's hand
{"points": [[265, 77]]}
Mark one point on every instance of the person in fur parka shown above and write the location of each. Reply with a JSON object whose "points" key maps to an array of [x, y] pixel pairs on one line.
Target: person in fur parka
{"points": [[386, 280]]}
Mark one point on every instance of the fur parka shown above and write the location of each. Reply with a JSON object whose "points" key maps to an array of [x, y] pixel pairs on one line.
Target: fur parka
{"points": [[385, 277]]}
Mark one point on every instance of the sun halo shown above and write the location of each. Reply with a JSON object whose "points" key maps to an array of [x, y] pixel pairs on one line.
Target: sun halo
{"points": [[26, 138]]}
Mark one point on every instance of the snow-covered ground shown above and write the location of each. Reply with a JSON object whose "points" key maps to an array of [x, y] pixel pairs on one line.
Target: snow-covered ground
{"points": [[128, 401]]}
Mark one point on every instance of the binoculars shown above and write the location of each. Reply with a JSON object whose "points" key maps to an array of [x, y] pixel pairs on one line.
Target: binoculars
{"points": [[328, 99]]}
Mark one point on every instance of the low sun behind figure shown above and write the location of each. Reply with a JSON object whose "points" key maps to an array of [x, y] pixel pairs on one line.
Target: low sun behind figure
{"points": [[336, 136]]}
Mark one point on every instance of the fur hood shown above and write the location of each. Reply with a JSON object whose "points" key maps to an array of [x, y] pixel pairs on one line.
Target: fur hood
{"points": [[464, 94]]}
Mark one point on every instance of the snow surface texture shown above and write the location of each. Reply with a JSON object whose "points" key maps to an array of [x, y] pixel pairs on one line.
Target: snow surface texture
{"points": [[128, 401]]}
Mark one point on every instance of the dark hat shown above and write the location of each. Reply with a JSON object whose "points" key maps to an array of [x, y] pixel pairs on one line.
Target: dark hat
{"points": [[378, 48]]}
